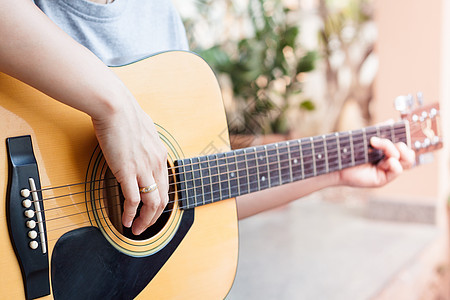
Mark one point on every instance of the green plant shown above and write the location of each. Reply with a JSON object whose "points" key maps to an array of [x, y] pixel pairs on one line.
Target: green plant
{"points": [[265, 69]]}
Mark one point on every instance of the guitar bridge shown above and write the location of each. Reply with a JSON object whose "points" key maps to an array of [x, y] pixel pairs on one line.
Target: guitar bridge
{"points": [[25, 217]]}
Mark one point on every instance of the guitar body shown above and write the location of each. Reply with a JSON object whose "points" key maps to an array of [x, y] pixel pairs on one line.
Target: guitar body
{"points": [[192, 256]]}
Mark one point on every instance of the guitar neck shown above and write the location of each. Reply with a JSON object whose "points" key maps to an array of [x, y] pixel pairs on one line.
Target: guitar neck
{"points": [[211, 178]]}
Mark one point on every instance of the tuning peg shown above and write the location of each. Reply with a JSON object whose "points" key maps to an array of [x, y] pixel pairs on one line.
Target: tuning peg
{"points": [[404, 103], [420, 98]]}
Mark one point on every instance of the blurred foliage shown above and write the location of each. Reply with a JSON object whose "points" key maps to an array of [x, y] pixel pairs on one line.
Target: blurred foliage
{"points": [[347, 44], [263, 68], [255, 49]]}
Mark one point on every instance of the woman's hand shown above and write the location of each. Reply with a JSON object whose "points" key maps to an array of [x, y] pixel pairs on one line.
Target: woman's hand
{"points": [[398, 157], [137, 158]]}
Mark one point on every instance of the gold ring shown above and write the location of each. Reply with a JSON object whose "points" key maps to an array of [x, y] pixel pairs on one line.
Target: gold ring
{"points": [[148, 189]]}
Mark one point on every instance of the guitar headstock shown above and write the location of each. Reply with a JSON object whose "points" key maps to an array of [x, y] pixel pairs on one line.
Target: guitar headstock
{"points": [[424, 125]]}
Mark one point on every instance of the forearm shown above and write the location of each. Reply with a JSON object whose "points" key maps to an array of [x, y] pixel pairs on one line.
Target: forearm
{"points": [[37, 52], [254, 203]]}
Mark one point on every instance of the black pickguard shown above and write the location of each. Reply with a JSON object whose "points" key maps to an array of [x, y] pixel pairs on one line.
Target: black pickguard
{"points": [[86, 266]]}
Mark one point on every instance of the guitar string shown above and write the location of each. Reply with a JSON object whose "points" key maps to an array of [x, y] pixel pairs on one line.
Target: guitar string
{"points": [[245, 159], [105, 207], [80, 224], [267, 163], [170, 202], [193, 197], [118, 204], [218, 175], [333, 142], [227, 163], [102, 218]]}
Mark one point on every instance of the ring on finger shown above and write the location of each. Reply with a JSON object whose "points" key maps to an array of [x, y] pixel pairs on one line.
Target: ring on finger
{"points": [[148, 189]]}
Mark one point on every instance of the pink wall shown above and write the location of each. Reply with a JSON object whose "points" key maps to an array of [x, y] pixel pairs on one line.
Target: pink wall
{"points": [[410, 50]]}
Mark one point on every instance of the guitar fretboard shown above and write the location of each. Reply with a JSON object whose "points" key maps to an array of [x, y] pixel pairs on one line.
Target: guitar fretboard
{"points": [[210, 178]]}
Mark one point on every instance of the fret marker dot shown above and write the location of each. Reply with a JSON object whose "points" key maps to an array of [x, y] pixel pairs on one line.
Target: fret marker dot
{"points": [[319, 156], [295, 161], [263, 178], [345, 150], [232, 174]]}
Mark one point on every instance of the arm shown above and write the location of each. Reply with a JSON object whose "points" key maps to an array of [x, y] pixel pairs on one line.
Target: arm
{"points": [[397, 158], [37, 52]]}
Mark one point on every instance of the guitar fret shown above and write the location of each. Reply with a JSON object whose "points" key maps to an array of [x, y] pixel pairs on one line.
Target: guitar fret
{"points": [[206, 183], [346, 157], [320, 157], [232, 177], [290, 161], [366, 154], [267, 166], [223, 177], [211, 179], [273, 165], [313, 156], [279, 164], [386, 132], [402, 137], [218, 177], [215, 180], [253, 173], [307, 157], [257, 168], [339, 151], [332, 153], [207, 180], [198, 184], [242, 172], [237, 175], [180, 172], [374, 154], [263, 169], [352, 151], [327, 167], [247, 168], [191, 160], [228, 175], [297, 166], [302, 163], [285, 165], [189, 177]]}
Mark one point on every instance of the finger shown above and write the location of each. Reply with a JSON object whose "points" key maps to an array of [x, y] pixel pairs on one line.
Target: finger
{"points": [[391, 167], [163, 189], [150, 204], [130, 191], [407, 156], [386, 146]]}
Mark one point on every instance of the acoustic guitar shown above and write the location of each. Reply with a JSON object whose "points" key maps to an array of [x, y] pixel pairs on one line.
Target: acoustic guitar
{"points": [[60, 229]]}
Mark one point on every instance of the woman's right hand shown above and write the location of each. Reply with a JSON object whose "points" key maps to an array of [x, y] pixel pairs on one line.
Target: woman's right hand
{"points": [[137, 158]]}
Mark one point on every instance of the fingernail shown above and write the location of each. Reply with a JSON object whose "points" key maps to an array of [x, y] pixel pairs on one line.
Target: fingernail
{"points": [[128, 223], [137, 231], [375, 140]]}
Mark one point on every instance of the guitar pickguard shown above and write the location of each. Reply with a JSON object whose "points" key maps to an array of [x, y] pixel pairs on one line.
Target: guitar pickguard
{"points": [[86, 266]]}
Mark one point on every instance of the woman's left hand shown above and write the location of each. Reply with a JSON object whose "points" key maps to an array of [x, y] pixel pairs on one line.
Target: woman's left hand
{"points": [[397, 157]]}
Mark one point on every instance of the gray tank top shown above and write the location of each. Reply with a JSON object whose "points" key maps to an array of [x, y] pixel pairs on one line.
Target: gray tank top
{"points": [[121, 32]]}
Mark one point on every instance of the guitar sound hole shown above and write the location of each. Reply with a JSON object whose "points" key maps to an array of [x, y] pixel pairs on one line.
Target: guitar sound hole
{"points": [[114, 200]]}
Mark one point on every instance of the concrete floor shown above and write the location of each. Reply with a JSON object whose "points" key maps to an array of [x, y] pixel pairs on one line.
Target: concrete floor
{"points": [[314, 249]]}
